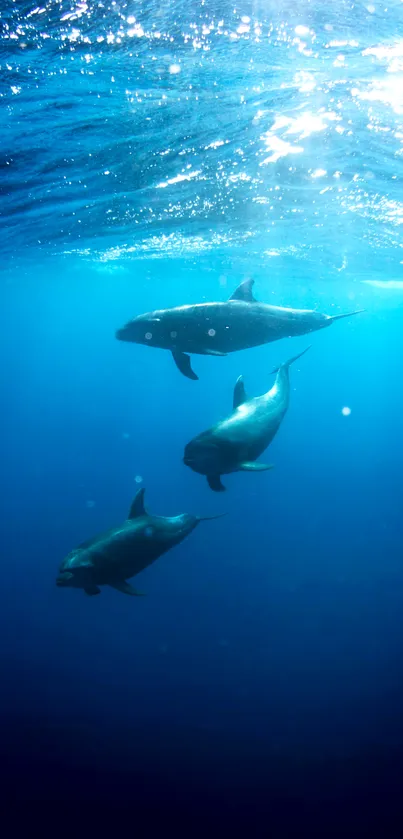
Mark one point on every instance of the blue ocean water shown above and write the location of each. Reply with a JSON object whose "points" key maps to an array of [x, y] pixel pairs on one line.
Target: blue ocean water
{"points": [[155, 156]]}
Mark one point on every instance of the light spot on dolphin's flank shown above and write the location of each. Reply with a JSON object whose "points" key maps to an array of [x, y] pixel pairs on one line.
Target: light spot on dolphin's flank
{"points": [[346, 411], [211, 332], [174, 334], [90, 504], [149, 531], [148, 336], [138, 479]]}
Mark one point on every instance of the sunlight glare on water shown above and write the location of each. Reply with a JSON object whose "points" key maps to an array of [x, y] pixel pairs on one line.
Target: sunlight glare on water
{"points": [[137, 129]]}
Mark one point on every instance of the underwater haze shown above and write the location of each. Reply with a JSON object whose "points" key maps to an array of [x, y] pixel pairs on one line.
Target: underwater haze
{"points": [[155, 155]]}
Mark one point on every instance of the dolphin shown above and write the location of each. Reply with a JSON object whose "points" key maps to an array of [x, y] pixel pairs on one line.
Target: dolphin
{"points": [[220, 328], [233, 444], [110, 558]]}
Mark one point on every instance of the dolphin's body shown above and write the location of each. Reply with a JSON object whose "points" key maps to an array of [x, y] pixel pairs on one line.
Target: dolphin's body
{"points": [[234, 444], [112, 557], [220, 328]]}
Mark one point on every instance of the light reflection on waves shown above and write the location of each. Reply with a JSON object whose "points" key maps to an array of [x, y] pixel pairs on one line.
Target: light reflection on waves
{"points": [[131, 132]]}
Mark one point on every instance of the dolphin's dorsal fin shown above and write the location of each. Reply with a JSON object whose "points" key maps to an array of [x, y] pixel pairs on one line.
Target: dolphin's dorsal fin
{"points": [[244, 292], [239, 393], [138, 509]]}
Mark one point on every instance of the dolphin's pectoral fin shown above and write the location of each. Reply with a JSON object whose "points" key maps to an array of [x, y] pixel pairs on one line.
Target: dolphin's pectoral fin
{"points": [[138, 509], [214, 482], [126, 588], [183, 364], [239, 393], [91, 590], [244, 292], [254, 467]]}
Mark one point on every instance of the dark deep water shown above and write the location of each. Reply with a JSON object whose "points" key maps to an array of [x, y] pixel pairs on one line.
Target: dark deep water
{"points": [[258, 687]]}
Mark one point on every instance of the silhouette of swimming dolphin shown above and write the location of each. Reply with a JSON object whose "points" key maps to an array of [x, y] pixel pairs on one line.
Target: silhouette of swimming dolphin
{"points": [[220, 328], [233, 444], [110, 558]]}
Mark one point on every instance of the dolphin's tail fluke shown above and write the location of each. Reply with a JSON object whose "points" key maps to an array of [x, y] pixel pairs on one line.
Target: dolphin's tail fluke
{"points": [[348, 315], [211, 518], [290, 361]]}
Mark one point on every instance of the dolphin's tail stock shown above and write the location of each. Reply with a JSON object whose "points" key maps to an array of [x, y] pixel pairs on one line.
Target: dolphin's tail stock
{"points": [[347, 315], [290, 361]]}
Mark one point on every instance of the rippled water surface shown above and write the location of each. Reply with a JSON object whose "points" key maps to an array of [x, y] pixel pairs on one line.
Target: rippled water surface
{"points": [[261, 128]]}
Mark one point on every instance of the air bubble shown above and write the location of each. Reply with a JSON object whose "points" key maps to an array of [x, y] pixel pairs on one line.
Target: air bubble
{"points": [[148, 336], [138, 479], [211, 332], [174, 334], [346, 411]]}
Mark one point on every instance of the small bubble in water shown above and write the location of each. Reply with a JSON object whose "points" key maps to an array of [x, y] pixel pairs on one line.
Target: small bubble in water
{"points": [[346, 411], [211, 332], [174, 334], [174, 68], [90, 504], [138, 479], [148, 336]]}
